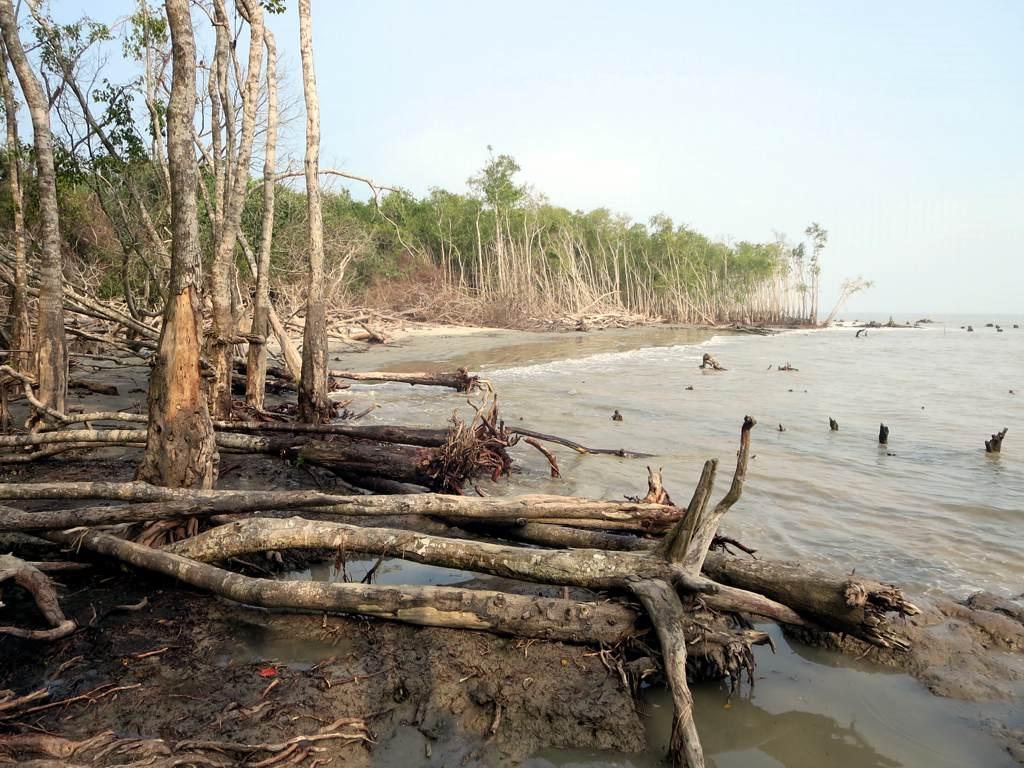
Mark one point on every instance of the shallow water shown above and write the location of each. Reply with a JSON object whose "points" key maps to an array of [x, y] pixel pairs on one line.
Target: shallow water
{"points": [[931, 511]]}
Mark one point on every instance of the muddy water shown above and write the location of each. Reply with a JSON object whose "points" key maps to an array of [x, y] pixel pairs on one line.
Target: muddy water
{"points": [[931, 510]]}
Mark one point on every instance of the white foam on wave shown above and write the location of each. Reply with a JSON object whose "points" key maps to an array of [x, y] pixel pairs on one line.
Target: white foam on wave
{"points": [[607, 360]]}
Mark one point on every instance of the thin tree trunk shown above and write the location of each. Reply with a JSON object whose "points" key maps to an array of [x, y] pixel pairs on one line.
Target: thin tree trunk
{"points": [[21, 323], [256, 371], [51, 353], [314, 407], [221, 345], [180, 447]]}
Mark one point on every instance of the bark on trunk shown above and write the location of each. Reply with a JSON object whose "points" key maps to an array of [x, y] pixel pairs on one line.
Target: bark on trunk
{"points": [[221, 344], [509, 509], [666, 612], [20, 323], [426, 437], [854, 605], [180, 447], [501, 612], [42, 590], [51, 351], [314, 406], [256, 370]]}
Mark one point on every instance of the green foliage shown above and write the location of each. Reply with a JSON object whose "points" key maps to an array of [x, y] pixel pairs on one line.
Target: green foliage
{"points": [[494, 185]]}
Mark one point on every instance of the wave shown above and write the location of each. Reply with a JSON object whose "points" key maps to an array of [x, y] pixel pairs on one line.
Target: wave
{"points": [[607, 360]]}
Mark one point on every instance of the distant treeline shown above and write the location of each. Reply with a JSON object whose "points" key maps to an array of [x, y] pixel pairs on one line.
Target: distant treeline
{"points": [[497, 253]]}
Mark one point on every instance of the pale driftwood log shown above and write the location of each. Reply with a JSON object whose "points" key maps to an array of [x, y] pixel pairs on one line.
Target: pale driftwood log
{"points": [[426, 437], [42, 590], [854, 605], [666, 612], [634, 515], [460, 380], [500, 612], [595, 569], [690, 542]]}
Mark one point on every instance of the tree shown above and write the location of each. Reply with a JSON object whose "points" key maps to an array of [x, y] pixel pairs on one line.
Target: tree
{"points": [[180, 447], [256, 370], [819, 238], [20, 330], [314, 406], [51, 350], [232, 182]]}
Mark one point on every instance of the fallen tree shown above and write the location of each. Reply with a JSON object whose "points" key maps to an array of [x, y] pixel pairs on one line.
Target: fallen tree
{"points": [[501, 612], [460, 380], [688, 592]]}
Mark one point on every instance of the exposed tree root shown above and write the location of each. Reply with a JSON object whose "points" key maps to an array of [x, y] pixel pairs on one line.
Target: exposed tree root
{"points": [[42, 590]]}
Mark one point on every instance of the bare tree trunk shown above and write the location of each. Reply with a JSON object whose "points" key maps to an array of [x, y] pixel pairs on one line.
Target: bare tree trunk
{"points": [[314, 407], [256, 371], [180, 447], [52, 353], [21, 323], [221, 345]]}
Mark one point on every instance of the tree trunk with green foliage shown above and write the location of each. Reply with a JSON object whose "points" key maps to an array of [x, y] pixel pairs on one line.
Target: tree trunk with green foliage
{"points": [[20, 328], [51, 350]]}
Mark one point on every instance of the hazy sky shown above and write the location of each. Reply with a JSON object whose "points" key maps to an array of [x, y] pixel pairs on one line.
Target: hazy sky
{"points": [[898, 126]]}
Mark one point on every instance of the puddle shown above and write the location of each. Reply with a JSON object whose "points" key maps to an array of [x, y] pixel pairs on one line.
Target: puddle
{"points": [[813, 709]]}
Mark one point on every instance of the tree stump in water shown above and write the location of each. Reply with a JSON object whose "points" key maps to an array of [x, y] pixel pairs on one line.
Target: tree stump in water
{"points": [[995, 444], [833, 424], [883, 434], [709, 362]]}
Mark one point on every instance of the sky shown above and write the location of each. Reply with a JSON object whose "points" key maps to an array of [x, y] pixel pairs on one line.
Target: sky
{"points": [[898, 126]]}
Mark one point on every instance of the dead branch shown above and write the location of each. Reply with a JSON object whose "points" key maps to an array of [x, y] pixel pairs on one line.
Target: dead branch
{"points": [[43, 592], [499, 612]]}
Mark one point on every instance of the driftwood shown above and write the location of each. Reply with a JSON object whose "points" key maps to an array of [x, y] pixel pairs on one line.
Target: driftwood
{"points": [[39, 585], [167, 503], [504, 613], [688, 593], [621, 452], [422, 436], [663, 606], [468, 451], [995, 443], [460, 380]]}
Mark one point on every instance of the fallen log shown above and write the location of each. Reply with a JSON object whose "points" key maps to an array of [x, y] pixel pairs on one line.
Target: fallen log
{"points": [[460, 380], [43, 592], [159, 503], [854, 605], [500, 612], [426, 437], [592, 569], [443, 468]]}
